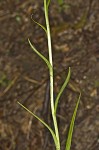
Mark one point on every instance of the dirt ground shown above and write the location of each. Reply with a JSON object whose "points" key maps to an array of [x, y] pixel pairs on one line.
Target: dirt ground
{"points": [[24, 76]]}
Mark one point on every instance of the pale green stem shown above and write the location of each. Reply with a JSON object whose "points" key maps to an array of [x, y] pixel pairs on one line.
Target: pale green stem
{"points": [[51, 76]]}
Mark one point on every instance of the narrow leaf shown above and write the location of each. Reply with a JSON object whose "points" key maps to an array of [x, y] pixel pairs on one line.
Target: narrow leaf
{"points": [[70, 133], [40, 25], [40, 55], [47, 126], [62, 89], [48, 2]]}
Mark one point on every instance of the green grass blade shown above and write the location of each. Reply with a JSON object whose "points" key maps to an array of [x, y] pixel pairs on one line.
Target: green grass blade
{"points": [[62, 89], [40, 25], [48, 2], [47, 126], [70, 133], [39, 54]]}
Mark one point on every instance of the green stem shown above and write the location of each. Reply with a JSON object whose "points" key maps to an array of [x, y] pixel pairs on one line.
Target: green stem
{"points": [[51, 76]]}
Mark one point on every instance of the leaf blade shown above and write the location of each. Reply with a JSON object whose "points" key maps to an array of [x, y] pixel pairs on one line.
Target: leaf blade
{"points": [[39, 54], [40, 25], [48, 2], [70, 133], [46, 125], [62, 89]]}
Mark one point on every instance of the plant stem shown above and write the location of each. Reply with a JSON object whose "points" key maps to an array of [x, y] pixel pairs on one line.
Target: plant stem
{"points": [[51, 76]]}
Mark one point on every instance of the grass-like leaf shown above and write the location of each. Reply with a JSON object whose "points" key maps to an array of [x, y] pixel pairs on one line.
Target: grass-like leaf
{"points": [[48, 2], [47, 126], [40, 55], [40, 25], [62, 89], [70, 133]]}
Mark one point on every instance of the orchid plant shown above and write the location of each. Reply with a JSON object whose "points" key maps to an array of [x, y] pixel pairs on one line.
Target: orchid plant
{"points": [[53, 103]]}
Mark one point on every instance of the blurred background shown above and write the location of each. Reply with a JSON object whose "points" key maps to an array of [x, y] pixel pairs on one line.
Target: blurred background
{"points": [[24, 76]]}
